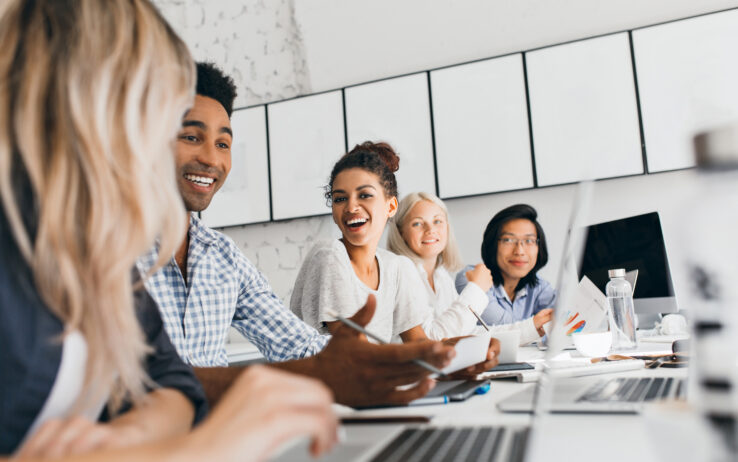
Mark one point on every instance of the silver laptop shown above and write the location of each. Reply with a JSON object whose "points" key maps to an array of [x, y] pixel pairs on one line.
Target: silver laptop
{"points": [[389, 443], [598, 395]]}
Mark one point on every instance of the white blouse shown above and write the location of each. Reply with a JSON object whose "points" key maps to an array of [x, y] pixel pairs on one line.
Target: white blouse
{"points": [[449, 314], [68, 386], [327, 282]]}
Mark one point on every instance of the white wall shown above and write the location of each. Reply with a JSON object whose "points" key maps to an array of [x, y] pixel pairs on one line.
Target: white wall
{"points": [[353, 41], [277, 49], [254, 41]]}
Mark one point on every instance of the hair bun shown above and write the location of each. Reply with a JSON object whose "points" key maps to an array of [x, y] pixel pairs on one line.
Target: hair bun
{"points": [[383, 150]]}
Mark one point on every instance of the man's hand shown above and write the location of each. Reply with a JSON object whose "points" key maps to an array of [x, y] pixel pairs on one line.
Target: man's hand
{"points": [[470, 373], [541, 318], [363, 374]]}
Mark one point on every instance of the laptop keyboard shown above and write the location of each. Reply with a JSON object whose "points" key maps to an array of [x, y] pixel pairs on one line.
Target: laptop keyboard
{"points": [[635, 390], [455, 444]]}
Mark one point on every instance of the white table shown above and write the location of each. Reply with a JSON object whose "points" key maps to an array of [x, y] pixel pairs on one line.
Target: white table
{"points": [[555, 437]]}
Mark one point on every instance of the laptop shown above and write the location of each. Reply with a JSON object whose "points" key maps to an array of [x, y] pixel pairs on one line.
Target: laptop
{"points": [[598, 395]]}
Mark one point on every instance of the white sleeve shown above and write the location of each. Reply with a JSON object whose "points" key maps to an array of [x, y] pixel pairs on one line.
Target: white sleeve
{"points": [[412, 306], [528, 331], [457, 319]]}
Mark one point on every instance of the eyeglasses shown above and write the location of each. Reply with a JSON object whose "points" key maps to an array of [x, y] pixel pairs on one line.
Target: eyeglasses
{"points": [[513, 242]]}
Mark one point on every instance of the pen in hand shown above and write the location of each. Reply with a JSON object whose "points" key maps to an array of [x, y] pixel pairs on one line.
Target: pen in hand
{"points": [[486, 327], [381, 341]]}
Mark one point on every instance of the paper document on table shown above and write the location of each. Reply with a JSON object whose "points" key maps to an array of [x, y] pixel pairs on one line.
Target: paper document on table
{"points": [[469, 351], [588, 312]]}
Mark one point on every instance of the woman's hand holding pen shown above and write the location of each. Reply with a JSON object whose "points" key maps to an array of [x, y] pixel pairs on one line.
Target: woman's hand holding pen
{"points": [[481, 276]]}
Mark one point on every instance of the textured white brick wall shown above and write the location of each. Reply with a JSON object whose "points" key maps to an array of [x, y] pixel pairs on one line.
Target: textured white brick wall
{"points": [[278, 249], [258, 43]]}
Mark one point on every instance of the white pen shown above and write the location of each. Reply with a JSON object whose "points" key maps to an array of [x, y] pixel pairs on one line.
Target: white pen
{"points": [[428, 400], [486, 327], [381, 341]]}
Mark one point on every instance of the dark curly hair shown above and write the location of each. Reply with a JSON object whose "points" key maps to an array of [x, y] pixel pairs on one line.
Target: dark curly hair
{"points": [[377, 158], [491, 241], [213, 83]]}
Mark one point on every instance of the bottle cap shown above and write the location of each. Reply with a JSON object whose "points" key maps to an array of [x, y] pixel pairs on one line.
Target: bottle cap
{"points": [[616, 273], [717, 149]]}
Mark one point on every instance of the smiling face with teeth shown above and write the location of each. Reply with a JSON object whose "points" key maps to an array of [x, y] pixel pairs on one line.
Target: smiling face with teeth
{"points": [[360, 207], [203, 152], [425, 230]]}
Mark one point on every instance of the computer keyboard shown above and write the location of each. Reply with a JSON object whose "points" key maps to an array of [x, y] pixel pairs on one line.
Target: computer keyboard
{"points": [[635, 390], [443, 444], [602, 367]]}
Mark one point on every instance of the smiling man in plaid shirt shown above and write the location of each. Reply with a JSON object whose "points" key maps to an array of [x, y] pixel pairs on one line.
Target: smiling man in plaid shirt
{"points": [[209, 285]]}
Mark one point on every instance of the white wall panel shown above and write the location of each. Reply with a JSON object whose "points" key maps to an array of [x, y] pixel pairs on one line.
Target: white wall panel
{"points": [[306, 137], [583, 111], [688, 82], [396, 111], [480, 123], [244, 197]]}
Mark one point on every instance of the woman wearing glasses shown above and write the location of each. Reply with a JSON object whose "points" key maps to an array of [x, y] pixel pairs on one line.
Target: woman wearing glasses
{"points": [[422, 232], [514, 249]]}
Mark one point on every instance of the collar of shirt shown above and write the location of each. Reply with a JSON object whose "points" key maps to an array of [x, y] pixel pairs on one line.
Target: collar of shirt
{"points": [[200, 235], [200, 232], [500, 293]]}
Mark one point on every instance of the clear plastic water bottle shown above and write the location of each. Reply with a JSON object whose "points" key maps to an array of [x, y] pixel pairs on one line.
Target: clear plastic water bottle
{"points": [[622, 316]]}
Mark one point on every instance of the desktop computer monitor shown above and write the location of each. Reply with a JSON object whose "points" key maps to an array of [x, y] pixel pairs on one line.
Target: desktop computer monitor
{"points": [[632, 243]]}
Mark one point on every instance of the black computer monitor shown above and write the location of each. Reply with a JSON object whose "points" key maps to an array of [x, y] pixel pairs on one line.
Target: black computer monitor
{"points": [[632, 243]]}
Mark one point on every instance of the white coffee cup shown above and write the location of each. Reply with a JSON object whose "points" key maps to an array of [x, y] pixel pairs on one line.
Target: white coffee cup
{"points": [[509, 342]]}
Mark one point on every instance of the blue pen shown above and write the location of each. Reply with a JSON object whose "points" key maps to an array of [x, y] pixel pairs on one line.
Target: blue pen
{"points": [[482, 389]]}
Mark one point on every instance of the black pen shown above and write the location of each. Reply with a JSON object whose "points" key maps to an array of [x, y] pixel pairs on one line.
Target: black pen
{"points": [[358, 328]]}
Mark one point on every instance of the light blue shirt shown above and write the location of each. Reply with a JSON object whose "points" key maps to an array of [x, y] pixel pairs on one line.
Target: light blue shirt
{"points": [[501, 310]]}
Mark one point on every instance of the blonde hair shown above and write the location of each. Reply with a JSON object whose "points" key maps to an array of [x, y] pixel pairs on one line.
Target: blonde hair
{"points": [[92, 93], [449, 258]]}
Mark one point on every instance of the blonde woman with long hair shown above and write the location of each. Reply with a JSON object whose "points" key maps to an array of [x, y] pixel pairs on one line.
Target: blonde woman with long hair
{"points": [[92, 93], [422, 231]]}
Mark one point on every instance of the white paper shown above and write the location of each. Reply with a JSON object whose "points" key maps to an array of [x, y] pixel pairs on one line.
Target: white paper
{"points": [[588, 312], [469, 351], [632, 278]]}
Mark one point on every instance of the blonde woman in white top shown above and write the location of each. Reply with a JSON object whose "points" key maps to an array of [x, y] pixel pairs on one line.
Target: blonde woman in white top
{"points": [[422, 232]]}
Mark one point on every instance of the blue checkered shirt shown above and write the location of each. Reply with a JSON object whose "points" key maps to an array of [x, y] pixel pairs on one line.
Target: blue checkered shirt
{"points": [[222, 289]]}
